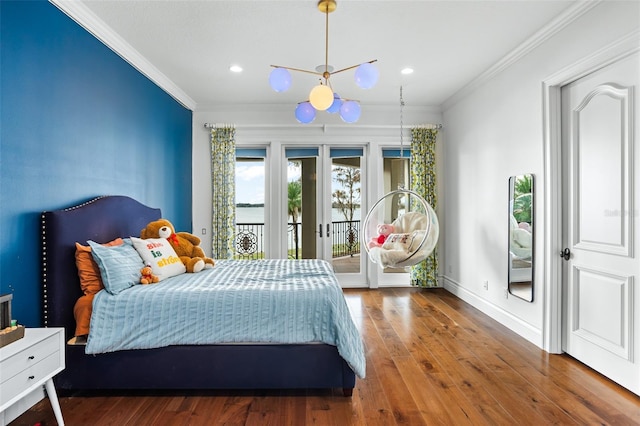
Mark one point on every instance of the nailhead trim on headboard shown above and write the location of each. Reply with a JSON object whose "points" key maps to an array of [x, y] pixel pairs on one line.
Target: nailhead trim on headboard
{"points": [[45, 303], [45, 312]]}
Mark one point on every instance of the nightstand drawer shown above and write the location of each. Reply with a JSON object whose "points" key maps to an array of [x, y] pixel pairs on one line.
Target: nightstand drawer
{"points": [[27, 358], [28, 377]]}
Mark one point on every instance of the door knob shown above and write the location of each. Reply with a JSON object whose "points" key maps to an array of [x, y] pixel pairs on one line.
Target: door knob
{"points": [[566, 254]]}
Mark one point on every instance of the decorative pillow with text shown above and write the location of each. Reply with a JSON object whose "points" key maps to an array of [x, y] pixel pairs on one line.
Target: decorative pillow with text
{"points": [[160, 255], [401, 242]]}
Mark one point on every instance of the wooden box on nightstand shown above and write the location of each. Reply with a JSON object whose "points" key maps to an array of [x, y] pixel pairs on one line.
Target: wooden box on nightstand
{"points": [[25, 366]]}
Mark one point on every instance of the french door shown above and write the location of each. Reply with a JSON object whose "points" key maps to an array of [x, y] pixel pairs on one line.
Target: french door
{"points": [[324, 193]]}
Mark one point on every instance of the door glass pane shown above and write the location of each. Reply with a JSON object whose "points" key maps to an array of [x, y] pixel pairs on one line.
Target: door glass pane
{"points": [[395, 176], [250, 226], [301, 207], [345, 214]]}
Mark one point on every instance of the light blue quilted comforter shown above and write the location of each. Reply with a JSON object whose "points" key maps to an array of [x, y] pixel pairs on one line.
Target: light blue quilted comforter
{"points": [[262, 301]]}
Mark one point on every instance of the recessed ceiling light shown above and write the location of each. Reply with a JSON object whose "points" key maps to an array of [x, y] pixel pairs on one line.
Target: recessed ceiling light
{"points": [[235, 68], [407, 71]]}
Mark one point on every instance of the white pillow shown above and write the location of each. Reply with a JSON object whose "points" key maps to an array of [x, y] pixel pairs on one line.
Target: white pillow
{"points": [[158, 253], [398, 242]]}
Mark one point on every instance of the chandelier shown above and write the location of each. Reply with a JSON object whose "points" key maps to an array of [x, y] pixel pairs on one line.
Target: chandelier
{"points": [[322, 97]]}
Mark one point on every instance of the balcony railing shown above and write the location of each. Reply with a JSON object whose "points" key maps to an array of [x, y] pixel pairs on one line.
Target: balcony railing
{"points": [[249, 239]]}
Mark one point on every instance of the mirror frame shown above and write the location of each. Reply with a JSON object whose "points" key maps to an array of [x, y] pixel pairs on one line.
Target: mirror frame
{"points": [[517, 276]]}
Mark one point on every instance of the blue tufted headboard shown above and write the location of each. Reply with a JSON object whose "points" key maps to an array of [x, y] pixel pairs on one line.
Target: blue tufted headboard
{"points": [[101, 219]]}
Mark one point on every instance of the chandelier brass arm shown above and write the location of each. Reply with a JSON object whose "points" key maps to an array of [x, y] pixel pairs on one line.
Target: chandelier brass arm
{"points": [[354, 66], [324, 74], [297, 69], [322, 97]]}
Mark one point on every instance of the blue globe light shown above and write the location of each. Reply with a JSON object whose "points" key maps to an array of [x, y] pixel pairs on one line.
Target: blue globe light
{"points": [[305, 112], [280, 79], [350, 111], [366, 75], [337, 103]]}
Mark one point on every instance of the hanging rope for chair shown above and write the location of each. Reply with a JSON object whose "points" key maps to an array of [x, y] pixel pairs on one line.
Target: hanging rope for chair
{"points": [[401, 229]]}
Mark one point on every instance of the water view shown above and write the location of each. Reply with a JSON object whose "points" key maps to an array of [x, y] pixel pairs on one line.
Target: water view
{"points": [[256, 215]]}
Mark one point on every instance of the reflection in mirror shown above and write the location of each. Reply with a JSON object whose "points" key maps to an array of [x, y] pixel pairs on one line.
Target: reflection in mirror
{"points": [[521, 227]]}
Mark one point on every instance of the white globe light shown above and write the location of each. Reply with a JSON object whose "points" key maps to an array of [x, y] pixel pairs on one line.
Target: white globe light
{"points": [[366, 75], [350, 111], [305, 113], [321, 97], [280, 79], [335, 106]]}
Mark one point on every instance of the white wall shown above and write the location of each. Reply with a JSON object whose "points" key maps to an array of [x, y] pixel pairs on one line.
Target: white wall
{"points": [[274, 126], [497, 131]]}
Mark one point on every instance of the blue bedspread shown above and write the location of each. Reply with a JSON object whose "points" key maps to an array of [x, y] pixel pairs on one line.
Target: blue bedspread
{"points": [[238, 301]]}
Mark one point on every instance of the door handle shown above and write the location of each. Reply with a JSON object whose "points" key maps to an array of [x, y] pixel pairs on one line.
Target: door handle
{"points": [[320, 230], [566, 254], [328, 231]]}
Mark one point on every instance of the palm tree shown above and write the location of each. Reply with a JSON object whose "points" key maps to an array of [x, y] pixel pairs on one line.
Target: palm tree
{"points": [[347, 200], [523, 197], [294, 203], [523, 185], [294, 207], [522, 208]]}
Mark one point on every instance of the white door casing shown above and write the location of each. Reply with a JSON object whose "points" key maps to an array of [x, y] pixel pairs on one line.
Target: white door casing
{"points": [[551, 236], [600, 298]]}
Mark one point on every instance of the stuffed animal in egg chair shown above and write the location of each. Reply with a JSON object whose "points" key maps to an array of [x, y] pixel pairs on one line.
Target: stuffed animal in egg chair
{"points": [[384, 230], [186, 245], [147, 276]]}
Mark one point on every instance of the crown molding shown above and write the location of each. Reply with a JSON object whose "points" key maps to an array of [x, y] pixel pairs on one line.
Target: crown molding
{"points": [[84, 17], [545, 33], [288, 109]]}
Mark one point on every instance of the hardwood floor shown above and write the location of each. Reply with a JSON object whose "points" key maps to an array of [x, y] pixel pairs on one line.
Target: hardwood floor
{"points": [[431, 359]]}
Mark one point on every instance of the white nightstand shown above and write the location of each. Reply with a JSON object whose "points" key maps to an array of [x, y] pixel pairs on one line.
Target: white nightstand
{"points": [[28, 364]]}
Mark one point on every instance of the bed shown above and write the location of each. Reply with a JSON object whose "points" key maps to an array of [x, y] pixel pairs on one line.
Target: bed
{"points": [[180, 366]]}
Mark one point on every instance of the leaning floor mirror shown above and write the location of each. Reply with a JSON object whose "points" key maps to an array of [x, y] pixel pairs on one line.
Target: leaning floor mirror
{"points": [[521, 228]]}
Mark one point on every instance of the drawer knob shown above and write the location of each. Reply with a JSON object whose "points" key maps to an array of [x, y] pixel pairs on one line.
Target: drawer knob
{"points": [[32, 357], [32, 377]]}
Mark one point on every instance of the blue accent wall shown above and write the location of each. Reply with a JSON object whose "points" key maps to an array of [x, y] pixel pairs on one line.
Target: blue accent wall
{"points": [[76, 121]]}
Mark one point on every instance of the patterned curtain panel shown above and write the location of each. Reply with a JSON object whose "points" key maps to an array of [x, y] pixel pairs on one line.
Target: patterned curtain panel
{"points": [[223, 183], [423, 181]]}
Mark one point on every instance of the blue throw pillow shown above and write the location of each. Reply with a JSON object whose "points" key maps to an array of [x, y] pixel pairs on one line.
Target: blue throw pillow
{"points": [[119, 265]]}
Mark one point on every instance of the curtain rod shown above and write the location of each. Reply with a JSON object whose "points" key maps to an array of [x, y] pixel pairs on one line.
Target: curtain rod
{"points": [[218, 125], [323, 126]]}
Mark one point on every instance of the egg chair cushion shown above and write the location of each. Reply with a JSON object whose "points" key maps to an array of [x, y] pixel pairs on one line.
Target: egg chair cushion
{"points": [[409, 222]]}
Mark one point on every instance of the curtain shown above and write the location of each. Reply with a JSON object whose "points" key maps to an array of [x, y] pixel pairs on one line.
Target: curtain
{"points": [[223, 184], [423, 181]]}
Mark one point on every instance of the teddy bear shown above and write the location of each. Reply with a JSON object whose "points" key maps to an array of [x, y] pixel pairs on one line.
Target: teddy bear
{"points": [[147, 276], [186, 245], [384, 230]]}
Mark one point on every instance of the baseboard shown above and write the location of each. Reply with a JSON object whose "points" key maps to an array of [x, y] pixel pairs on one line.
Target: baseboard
{"points": [[505, 318]]}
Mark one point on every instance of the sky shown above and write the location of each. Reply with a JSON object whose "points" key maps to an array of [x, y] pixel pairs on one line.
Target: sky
{"points": [[250, 181]]}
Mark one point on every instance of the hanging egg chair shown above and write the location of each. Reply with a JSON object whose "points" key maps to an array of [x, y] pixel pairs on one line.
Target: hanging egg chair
{"points": [[400, 230]]}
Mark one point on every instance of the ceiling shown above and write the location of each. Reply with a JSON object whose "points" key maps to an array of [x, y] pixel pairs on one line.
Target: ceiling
{"points": [[448, 43]]}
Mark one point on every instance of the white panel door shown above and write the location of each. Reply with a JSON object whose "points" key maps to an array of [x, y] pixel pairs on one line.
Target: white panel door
{"points": [[600, 231]]}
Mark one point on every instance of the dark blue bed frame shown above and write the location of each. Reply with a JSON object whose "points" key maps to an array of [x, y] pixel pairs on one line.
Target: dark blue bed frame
{"points": [[302, 366]]}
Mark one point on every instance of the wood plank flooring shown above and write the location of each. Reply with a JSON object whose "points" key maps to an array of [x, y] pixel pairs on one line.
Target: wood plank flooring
{"points": [[432, 359]]}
